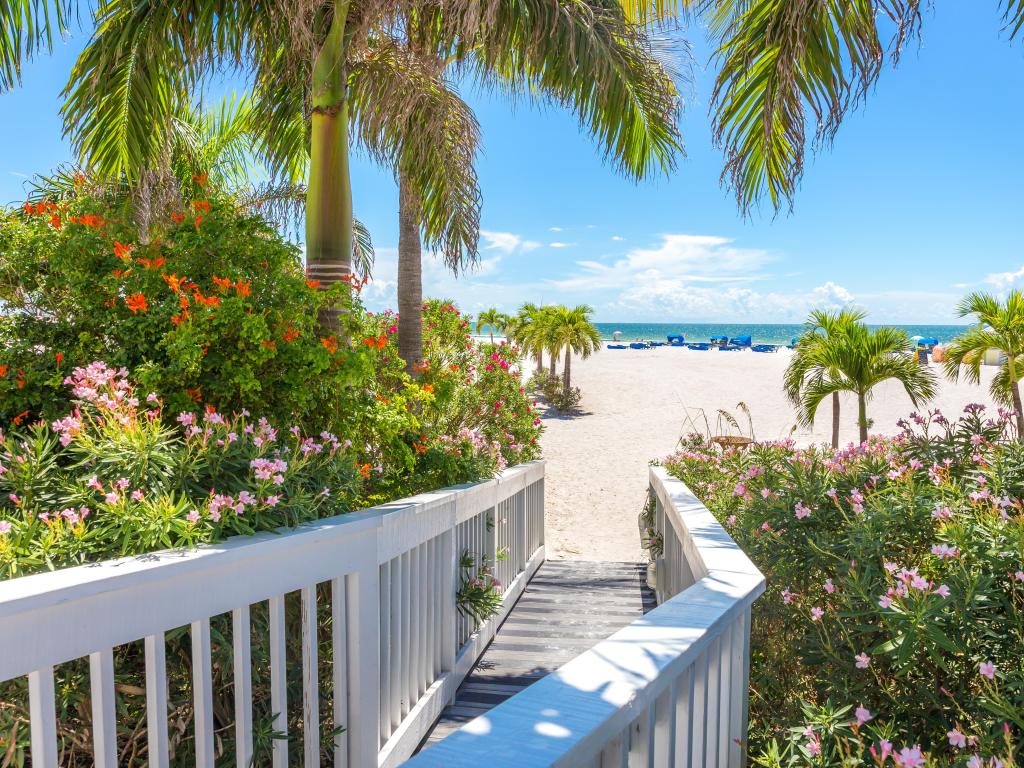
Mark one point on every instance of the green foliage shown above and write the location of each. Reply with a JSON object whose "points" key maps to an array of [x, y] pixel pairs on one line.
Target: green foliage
{"points": [[895, 573], [479, 593]]}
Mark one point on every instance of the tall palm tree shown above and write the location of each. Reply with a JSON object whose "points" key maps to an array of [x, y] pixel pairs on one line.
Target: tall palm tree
{"points": [[1000, 327], [524, 329], [807, 362], [856, 361], [624, 96], [493, 320], [574, 332]]}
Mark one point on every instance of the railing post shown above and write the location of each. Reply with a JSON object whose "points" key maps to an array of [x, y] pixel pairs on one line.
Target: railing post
{"points": [[449, 560], [362, 601], [524, 531]]}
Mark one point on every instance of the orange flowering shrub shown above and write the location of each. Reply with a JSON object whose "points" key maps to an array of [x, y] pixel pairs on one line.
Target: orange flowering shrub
{"points": [[218, 314]]}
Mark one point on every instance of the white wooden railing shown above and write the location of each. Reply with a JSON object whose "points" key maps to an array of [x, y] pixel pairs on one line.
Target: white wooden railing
{"points": [[670, 689], [398, 647]]}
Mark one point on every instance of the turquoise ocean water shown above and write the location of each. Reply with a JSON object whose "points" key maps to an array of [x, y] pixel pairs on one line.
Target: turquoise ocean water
{"points": [[767, 333]]}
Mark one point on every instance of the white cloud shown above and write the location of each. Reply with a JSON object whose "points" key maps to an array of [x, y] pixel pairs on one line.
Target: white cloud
{"points": [[557, 244], [554, 229], [1004, 280], [507, 242], [618, 238], [679, 257], [19, 174]]}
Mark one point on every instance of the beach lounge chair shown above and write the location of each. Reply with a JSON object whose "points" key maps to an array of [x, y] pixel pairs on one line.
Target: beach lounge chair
{"points": [[656, 343], [617, 346], [699, 346], [740, 341], [729, 348], [765, 348], [638, 345]]}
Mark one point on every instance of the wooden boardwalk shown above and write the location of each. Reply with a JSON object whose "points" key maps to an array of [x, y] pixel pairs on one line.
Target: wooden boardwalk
{"points": [[567, 608]]}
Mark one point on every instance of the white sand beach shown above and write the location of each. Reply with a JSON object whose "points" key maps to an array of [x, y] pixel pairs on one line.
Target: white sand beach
{"points": [[635, 404]]}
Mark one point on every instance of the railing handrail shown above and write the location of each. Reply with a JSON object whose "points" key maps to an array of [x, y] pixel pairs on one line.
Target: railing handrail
{"points": [[569, 717]]}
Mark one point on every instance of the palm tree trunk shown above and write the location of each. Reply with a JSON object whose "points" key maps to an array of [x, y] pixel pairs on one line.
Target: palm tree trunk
{"points": [[540, 360], [410, 276], [554, 362], [565, 372], [329, 194], [862, 416], [835, 419]]}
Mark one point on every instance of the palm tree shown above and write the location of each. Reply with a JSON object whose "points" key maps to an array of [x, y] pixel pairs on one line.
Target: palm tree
{"points": [[1000, 327], [623, 94], [524, 328], [573, 331], [859, 359], [493, 320], [806, 364]]}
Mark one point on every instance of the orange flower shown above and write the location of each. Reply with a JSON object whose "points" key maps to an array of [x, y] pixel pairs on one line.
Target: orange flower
{"points": [[268, 344], [179, 319], [242, 289], [19, 418], [88, 220], [330, 344], [79, 178], [177, 217], [313, 284], [419, 447], [206, 301], [174, 282], [291, 333], [55, 222], [378, 342], [60, 358], [222, 283], [201, 206], [123, 251], [156, 263], [453, 368], [3, 370], [201, 179], [28, 208], [121, 273], [428, 388], [136, 303], [199, 220], [196, 394], [364, 470]]}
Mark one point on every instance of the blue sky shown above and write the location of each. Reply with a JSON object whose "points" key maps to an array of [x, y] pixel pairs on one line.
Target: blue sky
{"points": [[918, 201]]}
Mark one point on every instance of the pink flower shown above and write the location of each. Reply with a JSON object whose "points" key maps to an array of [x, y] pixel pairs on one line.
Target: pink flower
{"points": [[829, 586], [975, 762], [271, 501], [731, 520], [863, 715], [186, 419], [942, 590], [801, 510], [787, 597], [814, 745], [884, 601], [987, 669], [112, 498], [944, 550], [957, 739], [94, 483], [5, 527], [739, 490], [863, 660], [909, 757], [137, 495], [816, 613], [14, 498], [1019, 575], [193, 516]]}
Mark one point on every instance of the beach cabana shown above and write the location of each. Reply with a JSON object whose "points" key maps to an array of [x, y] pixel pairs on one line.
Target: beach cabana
{"points": [[927, 343], [676, 340], [740, 341], [720, 340]]}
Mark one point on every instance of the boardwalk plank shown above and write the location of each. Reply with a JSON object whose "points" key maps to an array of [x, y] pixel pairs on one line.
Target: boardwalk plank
{"points": [[567, 608]]}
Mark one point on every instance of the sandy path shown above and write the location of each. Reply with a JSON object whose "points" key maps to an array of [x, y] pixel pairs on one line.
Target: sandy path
{"points": [[635, 403]]}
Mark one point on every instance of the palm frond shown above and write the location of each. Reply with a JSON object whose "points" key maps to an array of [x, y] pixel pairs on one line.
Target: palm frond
{"points": [[781, 60], [26, 28]]}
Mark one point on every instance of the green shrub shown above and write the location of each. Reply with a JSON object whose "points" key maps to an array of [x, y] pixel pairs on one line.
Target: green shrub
{"points": [[895, 574]]}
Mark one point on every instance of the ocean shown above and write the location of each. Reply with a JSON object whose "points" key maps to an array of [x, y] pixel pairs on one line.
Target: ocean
{"points": [[767, 333]]}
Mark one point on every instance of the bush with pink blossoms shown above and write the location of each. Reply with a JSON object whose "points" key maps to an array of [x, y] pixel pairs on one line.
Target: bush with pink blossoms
{"points": [[892, 629]]}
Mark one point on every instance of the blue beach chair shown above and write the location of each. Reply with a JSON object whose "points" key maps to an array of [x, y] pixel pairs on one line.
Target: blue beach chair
{"points": [[764, 348], [676, 340], [740, 341]]}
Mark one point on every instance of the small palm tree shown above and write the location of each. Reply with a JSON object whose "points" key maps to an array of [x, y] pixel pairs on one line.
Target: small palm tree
{"points": [[1000, 327], [493, 319], [805, 366], [573, 331], [859, 359]]}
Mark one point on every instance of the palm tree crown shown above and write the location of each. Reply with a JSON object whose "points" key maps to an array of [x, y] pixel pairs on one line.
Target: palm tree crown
{"points": [[1000, 327], [493, 320], [572, 330]]}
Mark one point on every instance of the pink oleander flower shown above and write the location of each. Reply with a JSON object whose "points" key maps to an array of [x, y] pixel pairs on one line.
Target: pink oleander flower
{"points": [[942, 590], [801, 510], [975, 761], [739, 490], [919, 582], [112, 498], [863, 714], [957, 739], [186, 419], [1019, 576], [910, 757], [884, 601], [987, 669], [766, 493], [942, 513], [829, 586], [193, 516], [944, 550], [137, 495], [787, 597], [814, 745], [94, 483], [731, 520], [816, 613], [863, 660], [5, 527], [271, 501]]}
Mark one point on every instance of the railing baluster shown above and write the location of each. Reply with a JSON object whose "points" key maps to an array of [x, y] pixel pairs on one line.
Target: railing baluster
{"points": [[415, 628], [104, 715], [740, 688], [363, 667], [384, 620], [395, 703], [156, 700], [202, 693], [310, 680], [407, 630], [279, 681], [711, 711], [698, 710], [339, 670], [663, 748], [683, 719], [724, 695], [242, 658], [43, 714]]}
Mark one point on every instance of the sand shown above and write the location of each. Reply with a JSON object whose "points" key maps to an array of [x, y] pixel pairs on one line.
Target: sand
{"points": [[635, 407]]}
